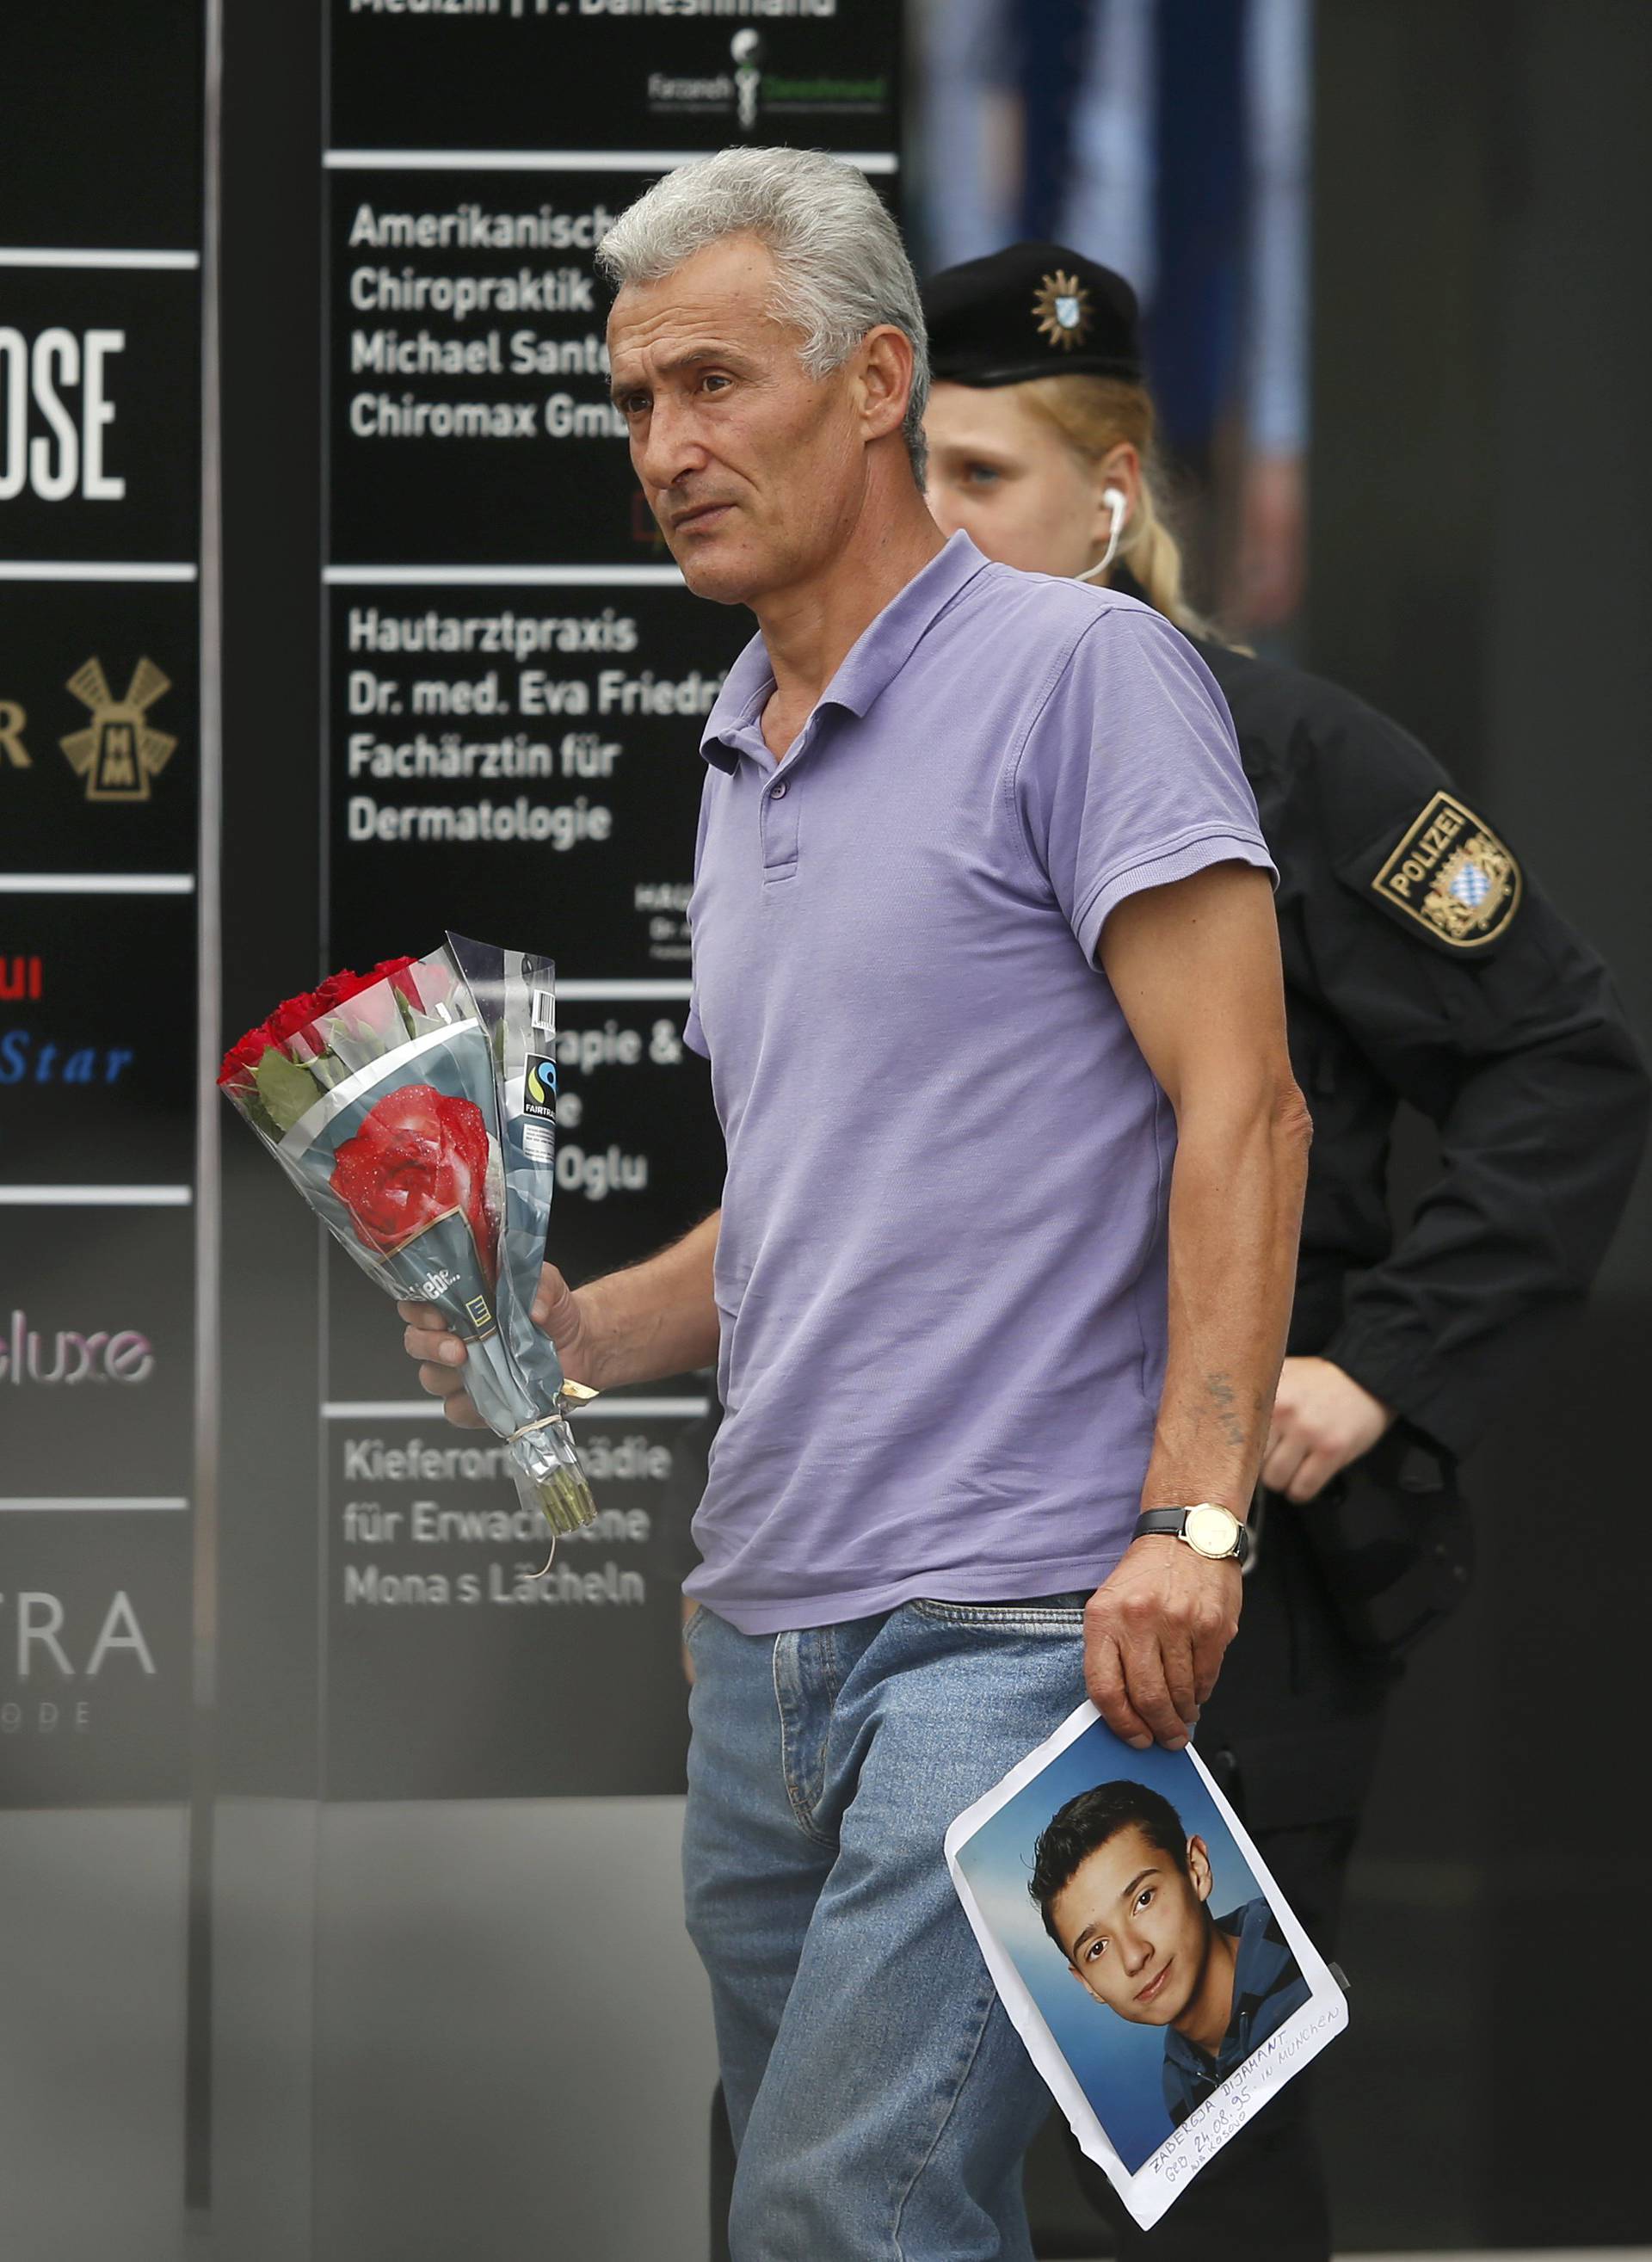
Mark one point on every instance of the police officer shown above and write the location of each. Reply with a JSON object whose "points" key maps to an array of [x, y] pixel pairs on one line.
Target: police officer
{"points": [[1422, 964]]}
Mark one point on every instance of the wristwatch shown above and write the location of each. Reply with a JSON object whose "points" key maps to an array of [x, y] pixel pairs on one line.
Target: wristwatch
{"points": [[1214, 1532]]}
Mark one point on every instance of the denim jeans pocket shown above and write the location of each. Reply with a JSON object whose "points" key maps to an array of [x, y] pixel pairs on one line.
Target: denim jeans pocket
{"points": [[1036, 1614]]}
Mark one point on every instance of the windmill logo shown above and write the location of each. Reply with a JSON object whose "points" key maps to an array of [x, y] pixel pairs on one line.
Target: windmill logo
{"points": [[119, 756]]}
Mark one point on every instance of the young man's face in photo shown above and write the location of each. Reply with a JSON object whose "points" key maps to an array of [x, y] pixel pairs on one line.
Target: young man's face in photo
{"points": [[1134, 1924]]}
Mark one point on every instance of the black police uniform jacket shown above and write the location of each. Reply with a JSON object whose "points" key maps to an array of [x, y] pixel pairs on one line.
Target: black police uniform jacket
{"points": [[1423, 964]]}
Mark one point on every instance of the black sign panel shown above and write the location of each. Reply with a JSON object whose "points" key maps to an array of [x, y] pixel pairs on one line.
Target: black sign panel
{"points": [[95, 1041], [94, 1656], [454, 1671], [99, 413], [99, 760], [96, 1388], [523, 764], [471, 423], [643, 74], [102, 109], [96, 1350]]}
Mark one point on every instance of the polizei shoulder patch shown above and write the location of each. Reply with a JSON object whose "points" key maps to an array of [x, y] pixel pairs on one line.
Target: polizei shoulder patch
{"points": [[1452, 875]]}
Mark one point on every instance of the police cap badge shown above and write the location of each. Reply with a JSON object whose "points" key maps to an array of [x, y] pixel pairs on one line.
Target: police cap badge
{"points": [[1034, 310]]}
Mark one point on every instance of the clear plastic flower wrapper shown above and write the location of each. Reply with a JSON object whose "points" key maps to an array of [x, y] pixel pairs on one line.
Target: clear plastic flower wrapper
{"points": [[415, 1109]]}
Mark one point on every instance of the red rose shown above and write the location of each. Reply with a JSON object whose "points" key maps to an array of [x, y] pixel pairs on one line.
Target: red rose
{"points": [[289, 1017], [419, 1154], [424, 985], [336, 986], [244, 1054], [366, 1003]]}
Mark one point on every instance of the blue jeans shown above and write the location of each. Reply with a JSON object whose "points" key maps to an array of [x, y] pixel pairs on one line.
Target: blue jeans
{"points": [[879, 2098]]}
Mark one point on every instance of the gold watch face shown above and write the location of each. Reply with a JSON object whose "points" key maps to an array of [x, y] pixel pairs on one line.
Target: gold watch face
{"points": [[1211, 1530]]}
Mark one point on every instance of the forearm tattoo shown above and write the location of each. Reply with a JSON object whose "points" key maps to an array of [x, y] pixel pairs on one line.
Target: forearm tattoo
{"points": [[1224, 1401]]}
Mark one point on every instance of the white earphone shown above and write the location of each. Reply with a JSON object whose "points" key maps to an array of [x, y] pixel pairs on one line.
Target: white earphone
{"points": [[1112, 499]]}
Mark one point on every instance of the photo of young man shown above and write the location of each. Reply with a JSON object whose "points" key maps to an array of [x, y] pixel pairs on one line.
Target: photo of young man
{"points": [[1124, 1892]]}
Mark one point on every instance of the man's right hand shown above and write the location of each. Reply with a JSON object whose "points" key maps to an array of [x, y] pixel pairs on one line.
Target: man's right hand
{"points": [[1155, 1634], [441, 1354]]}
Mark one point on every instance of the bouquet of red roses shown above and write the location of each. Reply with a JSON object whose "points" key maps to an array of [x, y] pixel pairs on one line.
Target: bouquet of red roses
{"points": [[415, 1109]]}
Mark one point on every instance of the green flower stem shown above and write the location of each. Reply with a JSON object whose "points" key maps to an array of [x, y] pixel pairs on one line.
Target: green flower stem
{"points": [[550, 1475], [566, 1499]]}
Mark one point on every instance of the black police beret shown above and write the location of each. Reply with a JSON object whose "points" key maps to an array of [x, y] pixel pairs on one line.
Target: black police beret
{"points": [[1034, 310]]}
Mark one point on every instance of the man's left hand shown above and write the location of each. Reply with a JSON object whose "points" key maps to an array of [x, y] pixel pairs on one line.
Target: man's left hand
{"points": [[1154, 1637], [1323, 1420]]}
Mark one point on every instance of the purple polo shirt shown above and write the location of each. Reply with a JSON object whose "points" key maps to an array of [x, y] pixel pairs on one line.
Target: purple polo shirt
{"points": [[941, 1270]]}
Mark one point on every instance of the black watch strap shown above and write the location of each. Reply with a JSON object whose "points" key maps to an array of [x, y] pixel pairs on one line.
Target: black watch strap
{"points": [[1171, 1523]]}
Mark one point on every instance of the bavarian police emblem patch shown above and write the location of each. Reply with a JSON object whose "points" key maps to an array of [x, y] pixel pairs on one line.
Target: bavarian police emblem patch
{"points": [[1062, 305], [1452, 875]]}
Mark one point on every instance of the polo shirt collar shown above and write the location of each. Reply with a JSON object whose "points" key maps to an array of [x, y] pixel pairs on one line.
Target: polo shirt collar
{"points": [[877, 657]]}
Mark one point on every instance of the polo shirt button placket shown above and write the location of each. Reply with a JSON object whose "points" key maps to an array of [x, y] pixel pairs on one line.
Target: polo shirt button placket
{"points": [[780, 831]]}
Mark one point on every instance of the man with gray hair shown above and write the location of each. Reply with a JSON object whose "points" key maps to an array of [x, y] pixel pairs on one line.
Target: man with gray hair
{"points": [[985, 966]]}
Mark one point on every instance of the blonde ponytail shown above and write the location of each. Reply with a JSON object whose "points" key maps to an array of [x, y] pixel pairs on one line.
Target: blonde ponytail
{"points": [[1093, 415]]}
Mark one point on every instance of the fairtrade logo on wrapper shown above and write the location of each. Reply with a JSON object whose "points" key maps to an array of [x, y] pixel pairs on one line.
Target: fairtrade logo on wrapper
{"points": [[540, 1102], [539, 1108]]}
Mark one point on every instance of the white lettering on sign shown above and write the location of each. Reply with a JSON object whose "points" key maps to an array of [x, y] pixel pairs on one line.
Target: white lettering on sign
{"points": [[560, 825], [40, 1621], [404, 291], [478, 227], [51, 442], [520, 634], [73, 1357]]}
